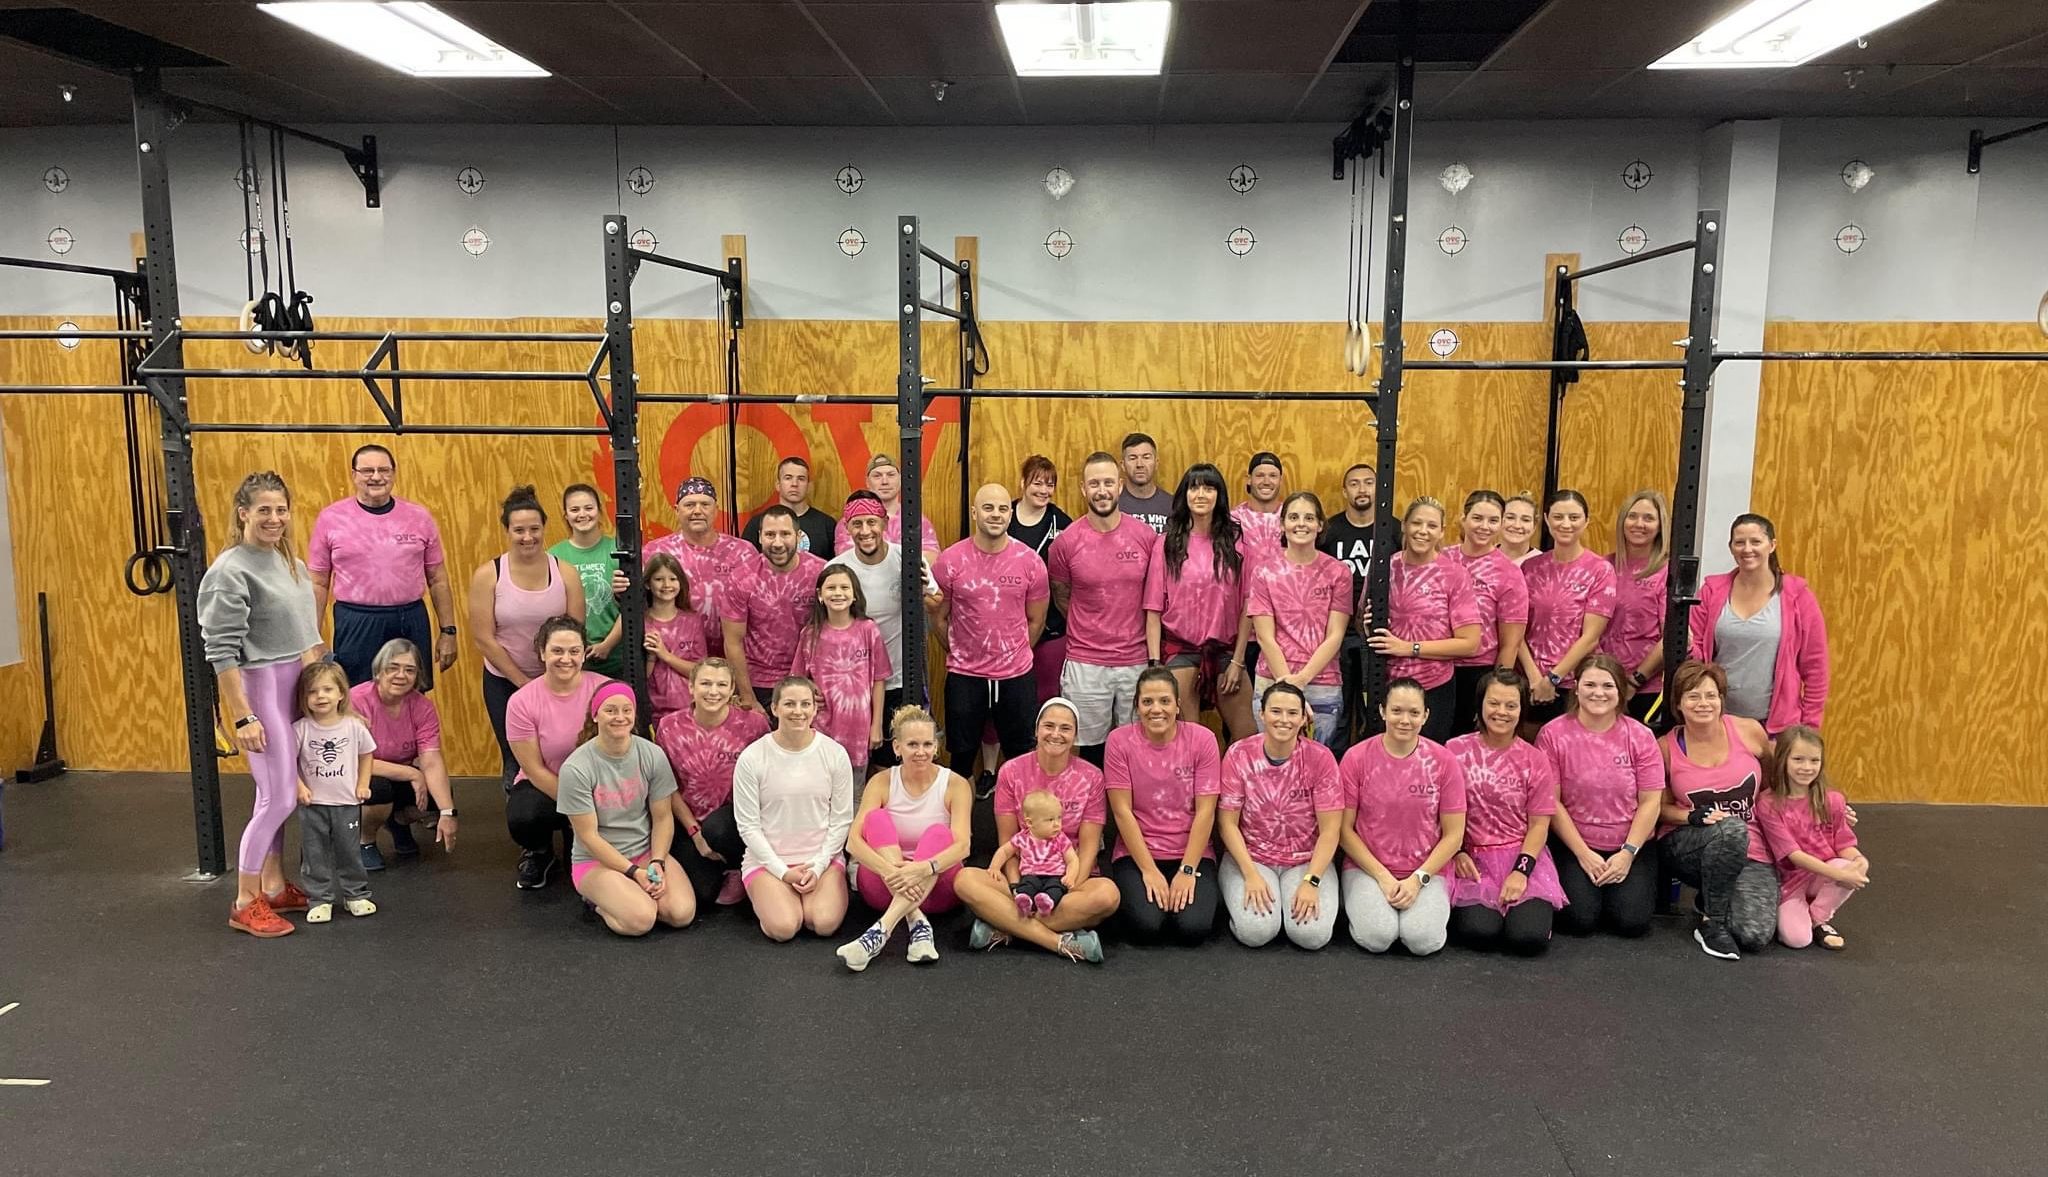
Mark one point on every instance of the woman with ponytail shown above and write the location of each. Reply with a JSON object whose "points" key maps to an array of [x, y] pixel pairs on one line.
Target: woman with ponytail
{"points": [[1764, 629]]}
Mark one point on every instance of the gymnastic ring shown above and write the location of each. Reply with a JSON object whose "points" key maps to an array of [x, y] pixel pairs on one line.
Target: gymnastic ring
{"points": [[156, 574], [248, 323], [1354, 349]]}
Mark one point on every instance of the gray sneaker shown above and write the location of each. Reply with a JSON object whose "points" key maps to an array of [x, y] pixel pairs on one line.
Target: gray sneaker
{"points": [[981, 936], [923, 948], [1086, 943], [858, 952]]}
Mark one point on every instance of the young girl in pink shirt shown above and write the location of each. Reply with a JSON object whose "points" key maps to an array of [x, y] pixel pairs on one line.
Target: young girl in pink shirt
{"points": [[674, 638], [843, 652], [1806, 826]]}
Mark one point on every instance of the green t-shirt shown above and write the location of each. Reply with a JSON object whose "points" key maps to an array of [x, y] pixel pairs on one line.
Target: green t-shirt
{"points": [[594, 566]]}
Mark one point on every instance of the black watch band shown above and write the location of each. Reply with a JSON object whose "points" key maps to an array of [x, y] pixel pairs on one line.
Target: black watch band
{"points": [[447, 631], [245, 721], [1190, 871]]}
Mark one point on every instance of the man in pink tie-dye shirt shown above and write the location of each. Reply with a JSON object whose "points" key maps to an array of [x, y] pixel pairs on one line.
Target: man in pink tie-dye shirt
{"points": [[375, 556]]}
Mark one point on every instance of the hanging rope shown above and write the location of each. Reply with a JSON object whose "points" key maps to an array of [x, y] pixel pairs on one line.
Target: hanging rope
{"points": [[255, 244], [147, 572]]}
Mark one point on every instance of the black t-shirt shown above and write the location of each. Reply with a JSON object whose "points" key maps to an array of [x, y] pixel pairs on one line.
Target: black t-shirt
{"points": [[1346, 541], [814, 529], [1150, 512], [1039, 537]]}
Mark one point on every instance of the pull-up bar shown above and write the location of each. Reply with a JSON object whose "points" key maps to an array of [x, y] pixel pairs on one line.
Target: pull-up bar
{"points": [[1624, 263], [945, 263], [30, 263], [361, 160]]}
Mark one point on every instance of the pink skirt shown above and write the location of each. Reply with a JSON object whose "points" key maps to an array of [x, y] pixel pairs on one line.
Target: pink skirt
{"points": [[1495, 864]]}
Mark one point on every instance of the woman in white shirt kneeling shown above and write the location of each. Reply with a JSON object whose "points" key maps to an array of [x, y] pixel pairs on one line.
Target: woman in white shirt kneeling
{"points": [[792, 799]]}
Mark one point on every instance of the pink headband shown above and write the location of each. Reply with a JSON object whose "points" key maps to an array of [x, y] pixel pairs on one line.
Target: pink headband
{"points": [[855, 508], [611, 690]]}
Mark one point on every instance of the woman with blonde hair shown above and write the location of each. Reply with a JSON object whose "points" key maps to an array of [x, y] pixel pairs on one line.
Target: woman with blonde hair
{"points": [[1642, 565]]}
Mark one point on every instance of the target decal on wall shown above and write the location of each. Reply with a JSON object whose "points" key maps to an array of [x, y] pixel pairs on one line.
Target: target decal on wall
{"points": [[851, 242], [1850, 237], [1240, 241], [67, 337], [849, 180], [56, 179], [1453, 240], [1243, 178], [1059, 182], [1633, 240], [470, 180], [1856, 175], [644, 240], [1637, 175], [245, 179], [60, 240], [476, 241], [1443, 342], [251, 240], [1059, 243], [639, 181]]}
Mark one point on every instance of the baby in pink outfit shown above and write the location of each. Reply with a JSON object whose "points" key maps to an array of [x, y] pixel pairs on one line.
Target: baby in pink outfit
{"points": [[1045, 856]]}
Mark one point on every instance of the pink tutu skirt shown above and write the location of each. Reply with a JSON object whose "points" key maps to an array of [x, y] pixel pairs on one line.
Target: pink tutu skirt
{"points": [[1495, 863]]}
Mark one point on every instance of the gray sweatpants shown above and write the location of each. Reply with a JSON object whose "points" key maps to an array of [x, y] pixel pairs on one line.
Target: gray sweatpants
{"points": [[329, 853], [1375, 925], [1256, 930]]}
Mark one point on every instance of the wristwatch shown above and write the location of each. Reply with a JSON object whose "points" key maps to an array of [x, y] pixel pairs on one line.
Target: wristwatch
{"points": [[245, 721], [1639, 678], [447, 631], [1415, 649], [630, 868], [1631, 847], [1556, 679], [1313, 880], [1189, 871], [448, 813], [1424, 876]]}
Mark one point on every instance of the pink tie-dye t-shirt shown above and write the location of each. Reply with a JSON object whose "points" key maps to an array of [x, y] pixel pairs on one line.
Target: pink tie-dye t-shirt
{"points": [[1300, 598], [987, 594], [375, 559], [1196, 607], [1638, 622], [400, 738], [1105, 571], [1428, 602], [1163, 781], [1277, 804], [1400, 801], [1503, 598], [1602, 776], [1560, 598], [773, 606], [725, 565], [1041, 856], [846, 664], [1504, 788], [703, 756], [667, 689], [1260, 529], [1078, 786]]}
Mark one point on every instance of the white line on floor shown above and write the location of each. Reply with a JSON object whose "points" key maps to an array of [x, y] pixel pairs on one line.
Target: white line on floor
{"points": [[12, 1005], [24, 1082]]}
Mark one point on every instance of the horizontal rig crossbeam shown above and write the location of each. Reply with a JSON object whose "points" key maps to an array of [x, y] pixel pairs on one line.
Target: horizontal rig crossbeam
{"points": [[943, 261], [1882, 356], [725, 277], [1624, 263], [381, 427]]}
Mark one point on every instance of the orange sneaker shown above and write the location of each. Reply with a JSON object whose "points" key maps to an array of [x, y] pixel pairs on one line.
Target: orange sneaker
{"points": [[257, 919], [289, 899]]}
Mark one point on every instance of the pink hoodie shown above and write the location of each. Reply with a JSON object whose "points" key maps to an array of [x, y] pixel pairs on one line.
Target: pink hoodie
{"points": [[1800, 685]]}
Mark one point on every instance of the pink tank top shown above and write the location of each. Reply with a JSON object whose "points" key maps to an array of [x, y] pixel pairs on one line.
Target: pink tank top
{"points": [[1732, 784], [518, 613]]}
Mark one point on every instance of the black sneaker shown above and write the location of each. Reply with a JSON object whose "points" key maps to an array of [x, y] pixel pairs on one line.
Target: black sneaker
{"points": [[1715, 941], [534, 868], [985, 786], [402, 842]]}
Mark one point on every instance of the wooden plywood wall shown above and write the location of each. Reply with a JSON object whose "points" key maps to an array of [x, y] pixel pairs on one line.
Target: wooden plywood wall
{"points": [[1915, 498], [117, 678]]}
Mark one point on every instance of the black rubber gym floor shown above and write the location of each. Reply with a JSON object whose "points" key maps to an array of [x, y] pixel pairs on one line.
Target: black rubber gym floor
{"points": [[469, 1028]]}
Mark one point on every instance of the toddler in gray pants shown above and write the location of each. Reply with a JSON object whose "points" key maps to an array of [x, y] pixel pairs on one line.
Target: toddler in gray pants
{"points": [[334, 780]]}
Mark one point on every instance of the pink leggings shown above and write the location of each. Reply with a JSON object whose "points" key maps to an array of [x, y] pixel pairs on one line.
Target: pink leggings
{"points": [[1815, 902], [880, 830], [272, 692]]}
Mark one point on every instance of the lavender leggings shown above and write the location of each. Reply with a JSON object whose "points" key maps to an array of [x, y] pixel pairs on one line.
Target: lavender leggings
{"points": [[271, 690]]}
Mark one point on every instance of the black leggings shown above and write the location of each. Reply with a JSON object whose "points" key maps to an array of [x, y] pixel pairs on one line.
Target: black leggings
{"points": [[722, 834], [497, 693], [1622, 908], [972, 702], [1743, 894], [1144, 922], [1523, 931], [531, 818]]}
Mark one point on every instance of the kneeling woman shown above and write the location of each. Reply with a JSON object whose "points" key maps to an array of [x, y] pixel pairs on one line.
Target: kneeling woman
{"points": [[1163, 776], [614, 790], [1404, 819], [1090, 899], [1280, 811], [1610, 782], [1504, 888], [1711, 839], [909, 837], [792, 798]]}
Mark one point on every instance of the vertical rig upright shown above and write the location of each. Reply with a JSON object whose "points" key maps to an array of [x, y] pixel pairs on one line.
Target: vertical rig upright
{"points": [[1682, 586], [1387, 406], [623, 419], [154, 122], [910, 455], [970, 341]]}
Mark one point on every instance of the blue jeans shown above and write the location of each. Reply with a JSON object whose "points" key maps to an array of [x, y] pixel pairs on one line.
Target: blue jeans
{"points": [[1325, 705]]}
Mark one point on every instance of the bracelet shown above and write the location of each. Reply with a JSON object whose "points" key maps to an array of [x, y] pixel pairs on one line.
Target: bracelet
{"points": [[448, 813], [935, 868], [691, 831], [630, 868], [1696, 816], [1525, 865]]}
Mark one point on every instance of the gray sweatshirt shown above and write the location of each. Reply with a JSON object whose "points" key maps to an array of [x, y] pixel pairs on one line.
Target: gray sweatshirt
{"points": [[253, 611]]}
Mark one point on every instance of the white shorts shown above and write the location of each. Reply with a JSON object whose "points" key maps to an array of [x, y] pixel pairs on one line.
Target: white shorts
{"points": [[1106, 696]]}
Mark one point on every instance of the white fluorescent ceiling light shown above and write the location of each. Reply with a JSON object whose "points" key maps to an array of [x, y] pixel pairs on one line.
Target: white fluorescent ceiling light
{"points": [[1765, 34], [416, 39], [1124, 39]]}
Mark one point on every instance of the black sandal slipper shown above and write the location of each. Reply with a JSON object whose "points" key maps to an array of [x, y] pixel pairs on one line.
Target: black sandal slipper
{"points": [[1826, 936]]}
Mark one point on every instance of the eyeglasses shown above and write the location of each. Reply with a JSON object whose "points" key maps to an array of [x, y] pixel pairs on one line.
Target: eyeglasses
{"points": [[374, 470]]}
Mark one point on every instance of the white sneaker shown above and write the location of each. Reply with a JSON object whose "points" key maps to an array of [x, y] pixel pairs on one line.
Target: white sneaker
{"points": [[923, 950], [361, 907], [864, 948], [320, 913]]}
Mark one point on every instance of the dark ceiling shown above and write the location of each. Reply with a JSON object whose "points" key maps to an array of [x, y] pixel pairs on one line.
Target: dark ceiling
{"points": [[851, 62]]}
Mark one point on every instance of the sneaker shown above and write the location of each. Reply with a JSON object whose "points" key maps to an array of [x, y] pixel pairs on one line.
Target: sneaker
{"points": [[1070, 947], [373, 858], [858, 952], [923, 948], [256, 918], [361, 907], [1024, 904], [534, 868], [731, 891], [1042, 904], [1089, 944], [320, 913], [1715, 941], [402, 841], [289, 899], [985, 786], [981, 936]]}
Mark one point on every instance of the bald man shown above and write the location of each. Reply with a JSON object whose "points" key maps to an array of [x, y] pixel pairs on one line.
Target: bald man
{"points": [[988, 614]]}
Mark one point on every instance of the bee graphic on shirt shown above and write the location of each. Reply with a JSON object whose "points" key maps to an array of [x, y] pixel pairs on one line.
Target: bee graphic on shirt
{"points": [[328, 750]]}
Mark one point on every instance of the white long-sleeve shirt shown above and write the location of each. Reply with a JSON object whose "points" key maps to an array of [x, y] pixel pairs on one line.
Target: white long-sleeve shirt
{"points": [[792, 807]]}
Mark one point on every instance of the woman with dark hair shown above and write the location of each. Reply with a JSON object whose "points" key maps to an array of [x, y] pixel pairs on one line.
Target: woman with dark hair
{"points": [[1503, 599], [1195, 621], [1504, 888], [615, 790], [1434, 615], [1162, 774], [509, 596], [1299, 603], [408, 772], [1278, 819], [543, 723], [1610, 781], [1642, 565], [1713, 771], [1036, 521], [1764, 629], [257, 622], [1404, 819], [1571, 596]]}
